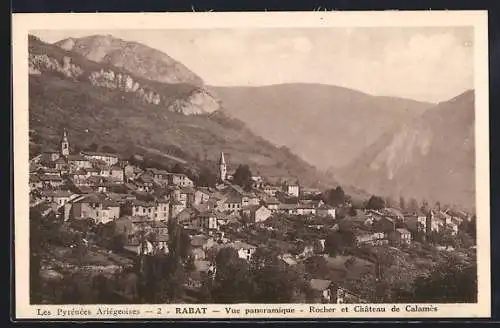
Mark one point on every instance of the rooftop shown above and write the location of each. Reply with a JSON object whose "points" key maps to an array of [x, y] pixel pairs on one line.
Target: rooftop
{"points": [[272, 201], [143, 203], [101, 154], [403, 231], [319, 284], [240, 245], [50, 177], [157, 171], [76, 157], [57, 193]]}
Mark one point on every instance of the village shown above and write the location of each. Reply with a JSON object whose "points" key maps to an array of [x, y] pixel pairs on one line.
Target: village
{"points": [[141, 203]]}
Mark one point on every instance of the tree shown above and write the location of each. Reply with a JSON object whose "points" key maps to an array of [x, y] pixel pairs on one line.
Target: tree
{"points": [[77, 149], [388, 202], [348, 237], [375, 203], [335, 197], [469, 227], [176, 168], [333, 244], [352, 211], [464, 240], [179, 242], [383, 260], [316, 266], [447, 238], [190, 266], [350, 262], [273, 281], [206, 178], [102, 287], [36, 245], [402, 204], [118, 242], [419, 234], [453, 281], [243, 177], [413, 205], [424, 208], [108, 149], [298, 248], [264, 256], [232, 283], [317, 247], [276, 284], [92, 147]]}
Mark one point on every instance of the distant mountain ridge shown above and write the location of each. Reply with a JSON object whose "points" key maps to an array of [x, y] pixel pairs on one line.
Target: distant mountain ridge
{"points": [[326, 125], [432, 157], [100, 103]]}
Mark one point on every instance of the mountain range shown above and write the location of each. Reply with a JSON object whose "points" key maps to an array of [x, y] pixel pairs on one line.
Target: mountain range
{"points": [[383, 145], [137, 98], [431, 157], [111, 106], [326, 125]]}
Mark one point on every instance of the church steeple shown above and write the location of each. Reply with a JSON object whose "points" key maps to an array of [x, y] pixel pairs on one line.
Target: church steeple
{"points": [[65, 144], [222, 168]]}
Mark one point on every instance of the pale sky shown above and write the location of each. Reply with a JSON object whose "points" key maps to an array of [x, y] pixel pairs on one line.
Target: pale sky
{"points": [[428, 64]]}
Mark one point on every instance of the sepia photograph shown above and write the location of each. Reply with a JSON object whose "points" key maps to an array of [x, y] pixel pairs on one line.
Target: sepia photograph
{"points": [[316, 164]]}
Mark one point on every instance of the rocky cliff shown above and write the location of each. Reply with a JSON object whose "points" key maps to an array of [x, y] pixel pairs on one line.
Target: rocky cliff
{"points": [[182, 98], [431, 157], [137, 58]]}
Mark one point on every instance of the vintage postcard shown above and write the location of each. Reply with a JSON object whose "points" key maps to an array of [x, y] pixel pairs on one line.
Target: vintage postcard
{"points": [[251, 165]]}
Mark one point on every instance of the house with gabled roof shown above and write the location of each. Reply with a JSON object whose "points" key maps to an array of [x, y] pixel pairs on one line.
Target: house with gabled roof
{"points": [[187, 215], [206, 221], [288, 208], [257, 213], [51, 180], [322, 290], [233, 201], [60, 197], [50, 155], [270, 190], [60, 164], [176, 207], [402, 235], [201, 196], [370, 238], [97, 207], [159, 176], [305, 209], [245, 250], [108, 158], [326, 210], [77, 161], [272, 204], [157, 210], [180, 179]]}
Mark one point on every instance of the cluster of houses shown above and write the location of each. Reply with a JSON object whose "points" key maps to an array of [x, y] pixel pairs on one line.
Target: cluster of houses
{"points": [[389, 225], [104, 188]]}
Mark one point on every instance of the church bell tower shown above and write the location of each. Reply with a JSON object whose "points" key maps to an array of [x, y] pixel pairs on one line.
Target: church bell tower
{"points": [[65, 144], [222, 168]]}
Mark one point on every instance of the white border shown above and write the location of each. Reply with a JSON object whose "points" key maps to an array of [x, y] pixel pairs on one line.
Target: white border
{"points": [[23, 23]]}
